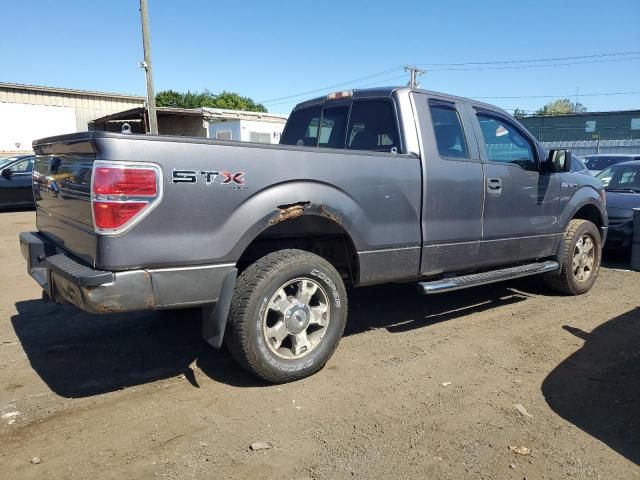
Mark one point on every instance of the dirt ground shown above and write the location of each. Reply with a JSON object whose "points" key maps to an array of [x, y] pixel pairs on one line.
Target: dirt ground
{"points": [[422, 388]]}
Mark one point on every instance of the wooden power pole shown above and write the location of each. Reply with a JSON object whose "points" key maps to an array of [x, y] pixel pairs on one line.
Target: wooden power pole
{"points": [[146, 42]]}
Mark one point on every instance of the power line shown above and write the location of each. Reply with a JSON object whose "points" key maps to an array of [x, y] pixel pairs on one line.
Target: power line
{"points": [[601, 94], [534, 60], [280, 101], [509, 67], [335, 85]]}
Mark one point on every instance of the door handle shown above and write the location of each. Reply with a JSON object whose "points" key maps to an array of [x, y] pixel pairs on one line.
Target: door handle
{"points": [[494, 186]]}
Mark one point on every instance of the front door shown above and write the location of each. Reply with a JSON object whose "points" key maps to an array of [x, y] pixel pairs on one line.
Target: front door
{"points": [[520, 218]]}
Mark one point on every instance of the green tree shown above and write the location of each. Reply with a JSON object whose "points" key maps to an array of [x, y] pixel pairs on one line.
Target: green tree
{"points": [[561, 106], [519, 113], [230, 100]]}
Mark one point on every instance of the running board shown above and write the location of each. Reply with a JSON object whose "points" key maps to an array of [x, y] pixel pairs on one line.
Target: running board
{"points": [[475, 279]]}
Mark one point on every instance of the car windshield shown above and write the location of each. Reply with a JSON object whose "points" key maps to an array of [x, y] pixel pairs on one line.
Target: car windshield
{"points": [[621, 178], [600, 162]]}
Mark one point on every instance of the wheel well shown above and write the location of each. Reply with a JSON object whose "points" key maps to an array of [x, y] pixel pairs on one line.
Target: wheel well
{"points": [[315, 234], [591, 213]]}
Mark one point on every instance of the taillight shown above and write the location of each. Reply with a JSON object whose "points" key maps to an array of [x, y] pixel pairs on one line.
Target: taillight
{"points": [[122, 193]]}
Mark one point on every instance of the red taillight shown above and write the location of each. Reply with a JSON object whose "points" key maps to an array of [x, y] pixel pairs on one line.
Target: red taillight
{"points": [[138, 182], [122, 193], [111, 215]]}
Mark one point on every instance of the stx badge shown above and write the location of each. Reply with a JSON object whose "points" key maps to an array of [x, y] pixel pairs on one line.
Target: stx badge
{"points": [[234, 180]]}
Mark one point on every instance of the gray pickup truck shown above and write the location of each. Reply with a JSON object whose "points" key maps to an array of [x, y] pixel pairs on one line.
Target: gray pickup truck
{"points": [[366, 187]]}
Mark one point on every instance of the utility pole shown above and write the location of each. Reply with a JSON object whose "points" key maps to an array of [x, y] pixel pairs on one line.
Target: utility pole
{"points": [[146, 42], [414, 73]]}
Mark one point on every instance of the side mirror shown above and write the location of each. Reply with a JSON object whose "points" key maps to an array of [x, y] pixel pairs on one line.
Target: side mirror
{"points": [[559, 161], [7, 173]]}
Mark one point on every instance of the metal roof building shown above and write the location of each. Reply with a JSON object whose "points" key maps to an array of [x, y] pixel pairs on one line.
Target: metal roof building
{"points": [[621, 125], [28, 112]]}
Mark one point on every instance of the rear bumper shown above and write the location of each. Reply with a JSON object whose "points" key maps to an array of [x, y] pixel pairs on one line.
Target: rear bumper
{"points": [[67, 281]]}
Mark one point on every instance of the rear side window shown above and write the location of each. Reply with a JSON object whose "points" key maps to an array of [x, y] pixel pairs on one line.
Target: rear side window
{"points": [[302, 128], [333, 127], [448, 129], [372, 126]]}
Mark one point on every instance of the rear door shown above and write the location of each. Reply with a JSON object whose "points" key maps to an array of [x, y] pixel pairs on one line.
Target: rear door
{"points": [[520, 218], [452, 186]]}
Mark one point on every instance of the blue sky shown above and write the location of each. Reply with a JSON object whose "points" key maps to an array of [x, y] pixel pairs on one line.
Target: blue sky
{"points": [[269, 50]]}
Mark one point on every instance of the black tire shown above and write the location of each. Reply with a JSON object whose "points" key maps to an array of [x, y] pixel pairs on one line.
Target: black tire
{"points": [[255, 289], [566, 281]]}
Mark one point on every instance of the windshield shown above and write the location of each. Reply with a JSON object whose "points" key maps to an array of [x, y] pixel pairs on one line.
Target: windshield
{"points": [[600, 162], [621, 177]]}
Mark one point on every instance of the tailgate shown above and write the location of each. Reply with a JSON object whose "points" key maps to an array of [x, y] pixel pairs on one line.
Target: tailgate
{"points": [[62, 192]]}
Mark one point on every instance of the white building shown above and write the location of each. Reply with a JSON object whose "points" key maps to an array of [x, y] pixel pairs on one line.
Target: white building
{"points": [[29, 112], [216, 123], [244, 126]]}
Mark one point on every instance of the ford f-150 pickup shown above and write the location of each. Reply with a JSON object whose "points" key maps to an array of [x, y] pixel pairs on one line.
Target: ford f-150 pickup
{"points": [[366, 187]]}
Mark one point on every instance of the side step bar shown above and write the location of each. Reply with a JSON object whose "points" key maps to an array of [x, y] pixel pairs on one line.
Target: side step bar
{"points": [[475, 279]]}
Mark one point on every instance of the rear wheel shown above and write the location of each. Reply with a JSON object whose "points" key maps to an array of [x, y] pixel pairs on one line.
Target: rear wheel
{"points": [[581, 259], [287, 315]]}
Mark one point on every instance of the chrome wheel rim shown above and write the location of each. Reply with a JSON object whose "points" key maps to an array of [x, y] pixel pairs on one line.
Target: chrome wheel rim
{"points": [[296, 318], [584, 258]]}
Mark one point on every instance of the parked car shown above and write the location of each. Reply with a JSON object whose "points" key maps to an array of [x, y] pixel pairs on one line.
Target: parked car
{"points": [[15, 181], [366, 187], [597, 163], [578, 165], [622, 184]]}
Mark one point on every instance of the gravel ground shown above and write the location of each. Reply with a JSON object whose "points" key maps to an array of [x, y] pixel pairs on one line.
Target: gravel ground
{"points": [[444, 387]]}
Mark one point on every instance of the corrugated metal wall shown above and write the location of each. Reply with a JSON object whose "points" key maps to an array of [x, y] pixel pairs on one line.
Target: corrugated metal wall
{"points": [[596, 126], [591, 147], [87, 106]]}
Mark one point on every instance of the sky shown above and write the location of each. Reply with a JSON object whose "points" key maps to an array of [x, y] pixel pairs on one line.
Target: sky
{"points": [[302, 49]]}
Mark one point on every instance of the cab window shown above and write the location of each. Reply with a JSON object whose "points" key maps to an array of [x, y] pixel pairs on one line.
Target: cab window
{"points": [[372, 126], [302, 128], [505, 143]]}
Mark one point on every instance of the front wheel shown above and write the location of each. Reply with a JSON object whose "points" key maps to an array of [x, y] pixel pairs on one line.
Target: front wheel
{"points": [[287, 315], [581, 259]]}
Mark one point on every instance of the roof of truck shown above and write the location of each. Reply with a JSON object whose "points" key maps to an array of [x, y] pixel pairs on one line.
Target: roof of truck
{"points": [[389, 91]]}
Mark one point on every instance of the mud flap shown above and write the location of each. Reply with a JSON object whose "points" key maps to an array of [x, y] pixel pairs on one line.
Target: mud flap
{"points": [[214, 316]]}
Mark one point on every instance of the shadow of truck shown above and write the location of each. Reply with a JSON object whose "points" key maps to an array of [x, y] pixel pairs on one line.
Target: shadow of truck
{"points": [[598, 387]]}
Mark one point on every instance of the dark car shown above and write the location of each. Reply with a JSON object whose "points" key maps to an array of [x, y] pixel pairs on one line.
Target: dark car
{"points": [[622, 184], [597, 163], [15, 181]]}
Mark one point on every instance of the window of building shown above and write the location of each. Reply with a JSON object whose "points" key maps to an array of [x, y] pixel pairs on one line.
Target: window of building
{"points": [[259, 137], [505, 143], [224, 135], [448, 129]]}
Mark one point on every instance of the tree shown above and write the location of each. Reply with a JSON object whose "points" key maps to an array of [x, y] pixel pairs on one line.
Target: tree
{"points": [[230, 100], [561, 106], [519, 113]]}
